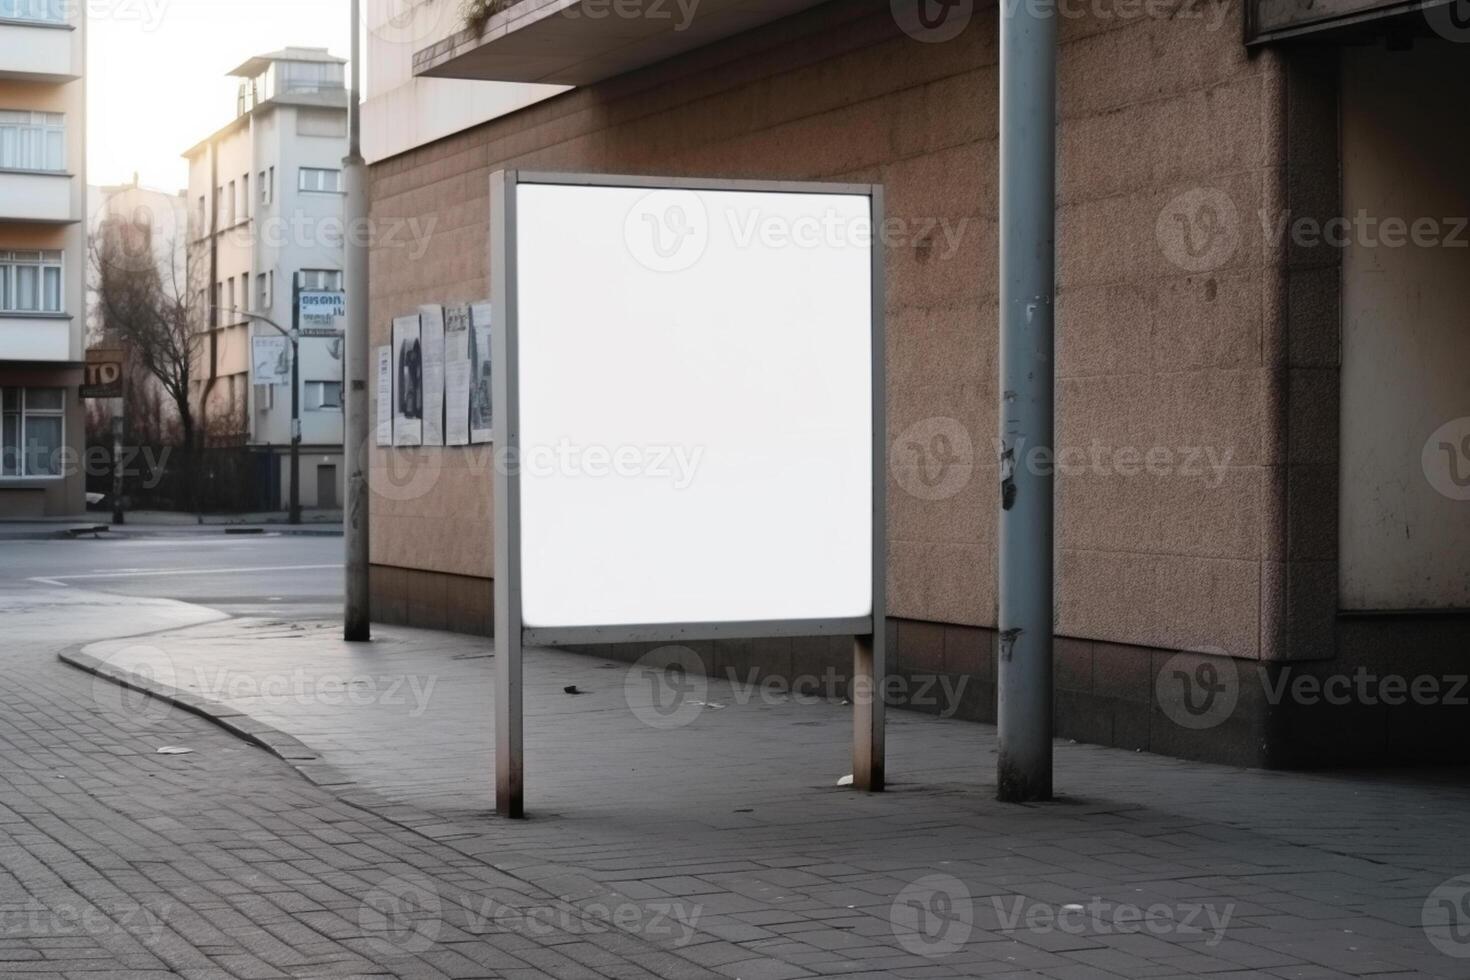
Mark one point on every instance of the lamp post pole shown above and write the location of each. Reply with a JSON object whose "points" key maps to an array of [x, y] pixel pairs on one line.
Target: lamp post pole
{"points": [[356, 364], [1028, 59], [295, 336]]}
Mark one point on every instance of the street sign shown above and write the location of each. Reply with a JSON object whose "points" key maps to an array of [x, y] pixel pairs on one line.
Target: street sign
{"points": [[104, 374], [321, 310]]}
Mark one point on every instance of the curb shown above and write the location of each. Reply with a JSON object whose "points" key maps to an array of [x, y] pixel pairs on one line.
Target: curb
{"points": [[274, 741]]}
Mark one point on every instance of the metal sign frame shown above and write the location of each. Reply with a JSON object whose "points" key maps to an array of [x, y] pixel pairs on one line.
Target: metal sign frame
{"points": [[511, 634]]}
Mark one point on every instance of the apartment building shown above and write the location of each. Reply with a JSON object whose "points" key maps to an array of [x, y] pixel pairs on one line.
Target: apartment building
{"points": [[1263, 541], [43, 256], [266, 217]]}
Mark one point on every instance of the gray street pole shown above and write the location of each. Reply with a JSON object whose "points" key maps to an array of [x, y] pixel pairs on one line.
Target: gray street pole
{"points": [[295, 398], [1028, 45], [356, 361]]}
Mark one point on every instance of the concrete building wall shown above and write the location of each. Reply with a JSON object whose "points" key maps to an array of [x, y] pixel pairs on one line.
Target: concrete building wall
{"points": [[1406, 333], [1152, 355], [400, 111], [1198, 369], [42, 69]]}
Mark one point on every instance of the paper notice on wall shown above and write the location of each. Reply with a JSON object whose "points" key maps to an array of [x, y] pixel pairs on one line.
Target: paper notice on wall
{"points": [[432, 320], [458, 372], [385, 395], [408, 382], [482, 412]]}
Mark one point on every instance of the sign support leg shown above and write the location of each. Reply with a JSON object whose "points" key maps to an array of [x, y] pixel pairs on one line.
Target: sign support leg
{"points": [[868, 711]]}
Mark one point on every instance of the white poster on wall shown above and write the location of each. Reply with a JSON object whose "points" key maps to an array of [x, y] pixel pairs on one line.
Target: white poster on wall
{"points": [[408, 382], [458, 372], [385, 395], [431, 319], [270, 360], [482, 412]]}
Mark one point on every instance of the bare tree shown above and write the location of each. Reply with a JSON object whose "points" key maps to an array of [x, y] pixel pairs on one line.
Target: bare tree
{"points": [[146, 307]]}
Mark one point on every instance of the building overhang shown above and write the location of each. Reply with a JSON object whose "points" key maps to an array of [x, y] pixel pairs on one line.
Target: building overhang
{"points": [[578, 42], [1347, 21]]}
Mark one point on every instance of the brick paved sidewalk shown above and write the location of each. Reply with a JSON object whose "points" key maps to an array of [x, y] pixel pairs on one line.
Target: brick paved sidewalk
{"points": [[718, 838]]}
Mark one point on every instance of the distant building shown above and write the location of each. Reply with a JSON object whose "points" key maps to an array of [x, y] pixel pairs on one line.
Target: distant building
{"points": [[265, 205], [43, 258]]}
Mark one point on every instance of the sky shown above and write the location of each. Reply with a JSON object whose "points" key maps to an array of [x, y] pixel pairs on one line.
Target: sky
{"points": [[156, 74]]}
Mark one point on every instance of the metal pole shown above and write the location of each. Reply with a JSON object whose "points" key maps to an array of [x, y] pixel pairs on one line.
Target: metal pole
{"points": [[1028, 46], [295, 398], [870, 652], [510, 768], [118, 438], [356, 365]]}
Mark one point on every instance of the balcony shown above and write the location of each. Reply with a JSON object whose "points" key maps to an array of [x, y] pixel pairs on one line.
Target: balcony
{"points": [[1349, 21], [35, 337], [578, 42], [39, 51], [41, 196]]}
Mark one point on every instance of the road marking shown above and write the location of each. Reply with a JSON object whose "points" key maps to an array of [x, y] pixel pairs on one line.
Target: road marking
{"points": [[49, 581], [63, 579]]}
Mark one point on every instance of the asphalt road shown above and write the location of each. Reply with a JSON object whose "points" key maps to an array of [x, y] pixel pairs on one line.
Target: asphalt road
{"points": [[238, 574]]}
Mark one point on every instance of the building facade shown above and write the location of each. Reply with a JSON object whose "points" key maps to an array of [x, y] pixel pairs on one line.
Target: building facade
{"points": [[1263, 530], [265, 204], [43, 257]]}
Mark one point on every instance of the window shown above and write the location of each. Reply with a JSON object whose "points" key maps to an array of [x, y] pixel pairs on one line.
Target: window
{"points": [[322, 181], [265, 188], [324, 396], [245, 291], [32, 431], [321, 279], [50, 11], [245, 197], [30, 282], [265, 288], [32, 140]]}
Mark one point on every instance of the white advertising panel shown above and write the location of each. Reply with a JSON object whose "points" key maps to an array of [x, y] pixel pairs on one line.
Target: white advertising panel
{"points": [[695, 389], [408, 382], [458, 375], [431, 320], [385, 395], [270, 360]]}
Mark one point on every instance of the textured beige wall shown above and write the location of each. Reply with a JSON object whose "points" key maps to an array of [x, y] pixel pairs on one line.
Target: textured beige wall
{"points": [[1152, 354]]}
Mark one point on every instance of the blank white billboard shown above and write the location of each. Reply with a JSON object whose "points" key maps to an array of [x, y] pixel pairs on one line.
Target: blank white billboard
{"points": [[695, 404]]}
